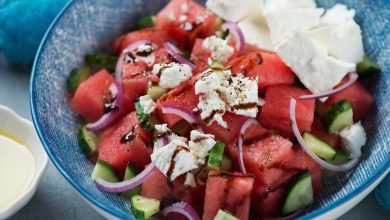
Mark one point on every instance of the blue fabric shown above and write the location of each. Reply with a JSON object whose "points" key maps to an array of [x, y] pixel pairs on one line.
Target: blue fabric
{"points": [[22, 26]]}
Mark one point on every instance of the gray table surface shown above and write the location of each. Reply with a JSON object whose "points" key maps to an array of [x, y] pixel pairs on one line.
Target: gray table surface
{"points": [[55, 197]]}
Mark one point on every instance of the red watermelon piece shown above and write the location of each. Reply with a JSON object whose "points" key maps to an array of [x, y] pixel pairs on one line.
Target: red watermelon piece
{"points": [[198, 22], [229, 192], [154, 35], [359, 97], [117, 153], [269, 68], [274, 114], [88, 99]]}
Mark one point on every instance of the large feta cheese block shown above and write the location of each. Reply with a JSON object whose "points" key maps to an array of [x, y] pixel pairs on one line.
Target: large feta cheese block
{"points": [[281, 22], [343, 41], [316, 70], [339, 13], [235, 10], [288, 4], [256, 32]]}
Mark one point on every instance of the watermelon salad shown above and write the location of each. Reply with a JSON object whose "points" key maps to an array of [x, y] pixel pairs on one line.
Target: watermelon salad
{"points": [[225, 111]]}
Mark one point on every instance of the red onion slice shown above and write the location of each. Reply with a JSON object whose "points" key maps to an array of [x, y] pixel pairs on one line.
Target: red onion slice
{"points": [[337, 168], [127, 184], [119, 64], [182, 208], [237, 33], [240, 141], [117, 91], [176, 53], [183, 113], [352, 78]]}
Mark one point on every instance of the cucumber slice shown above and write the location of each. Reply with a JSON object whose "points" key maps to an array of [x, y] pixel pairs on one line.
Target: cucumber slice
{"points": [[147, 121], [104, 171], [215, 156], [143, 207], [298, 195], [76, 77], [131, 172], [87, 141], [155, 91], [367, 67], [147, 21], [222, 215], [97, 62], [216, 65], [227, 163], [338, 116], [319, 147]]}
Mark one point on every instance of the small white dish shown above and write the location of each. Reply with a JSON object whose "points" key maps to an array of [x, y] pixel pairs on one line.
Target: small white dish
{"points": [[24, 130]]}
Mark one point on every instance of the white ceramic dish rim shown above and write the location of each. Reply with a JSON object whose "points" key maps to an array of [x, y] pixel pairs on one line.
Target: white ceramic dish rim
{"points": [[24, 130]]}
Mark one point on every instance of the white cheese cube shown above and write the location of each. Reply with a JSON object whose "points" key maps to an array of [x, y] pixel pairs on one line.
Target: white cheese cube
{"points": [[172, 74], [200, 144], [317, 71], [354, 138], [219, 48], [190, 180], [282, 22], [288, 4], [235, 10], [147, 104], [174, 159]]}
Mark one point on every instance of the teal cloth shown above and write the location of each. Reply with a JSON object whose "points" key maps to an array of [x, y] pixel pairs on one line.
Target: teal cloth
{"points": [[382, 193], [22, 26]]}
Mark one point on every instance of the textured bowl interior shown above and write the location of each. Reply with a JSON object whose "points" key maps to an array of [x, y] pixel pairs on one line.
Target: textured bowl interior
{"points": [[87, 26]]}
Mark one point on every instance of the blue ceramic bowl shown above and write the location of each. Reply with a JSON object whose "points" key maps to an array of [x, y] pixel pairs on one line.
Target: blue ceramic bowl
{"points": [[86, 26]]}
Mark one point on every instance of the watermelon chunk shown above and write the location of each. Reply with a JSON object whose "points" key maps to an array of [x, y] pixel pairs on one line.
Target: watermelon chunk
{"points": [[198, 22], [118, 153], [359, 97], [154, 35], [229, 192], [274, 114], [88, 99], [269, 69]]}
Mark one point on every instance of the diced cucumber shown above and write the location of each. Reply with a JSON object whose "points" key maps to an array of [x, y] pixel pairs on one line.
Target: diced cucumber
{"points": [[216, 65], [215, 156], [227, 163], [298, 195], [222, 215], [97, 62], [76, 77], [87, 141], [319, 147], [155, 91], [367, 67], [147, 121], [143, 207], [338, 116], [147, 21], [131, 172], [104, 171]]}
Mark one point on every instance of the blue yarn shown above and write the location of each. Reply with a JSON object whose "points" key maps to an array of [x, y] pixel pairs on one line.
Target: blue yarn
{"points": [[22, 26], [382, 193]]}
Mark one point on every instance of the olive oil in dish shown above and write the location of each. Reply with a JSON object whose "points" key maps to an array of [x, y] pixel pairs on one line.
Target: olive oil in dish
{"points": [[17, 169]]}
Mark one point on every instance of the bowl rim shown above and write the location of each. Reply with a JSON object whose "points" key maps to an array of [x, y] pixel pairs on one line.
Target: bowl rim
{"points": [[315, 213]]}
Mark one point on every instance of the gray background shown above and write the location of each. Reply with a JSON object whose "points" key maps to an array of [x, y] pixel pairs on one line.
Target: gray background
{"points": [[56, 199]]}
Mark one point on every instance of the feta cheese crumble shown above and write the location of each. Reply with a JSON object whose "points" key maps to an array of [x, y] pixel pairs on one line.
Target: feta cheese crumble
{"points": [[316, 70], [200, 145], [219, 48], [172, 74], [144, 52], [174, 159], [354, 138], [147, 104], [190, 180], [339, 13], [288, 4], [235, 10], [221, 92]]}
